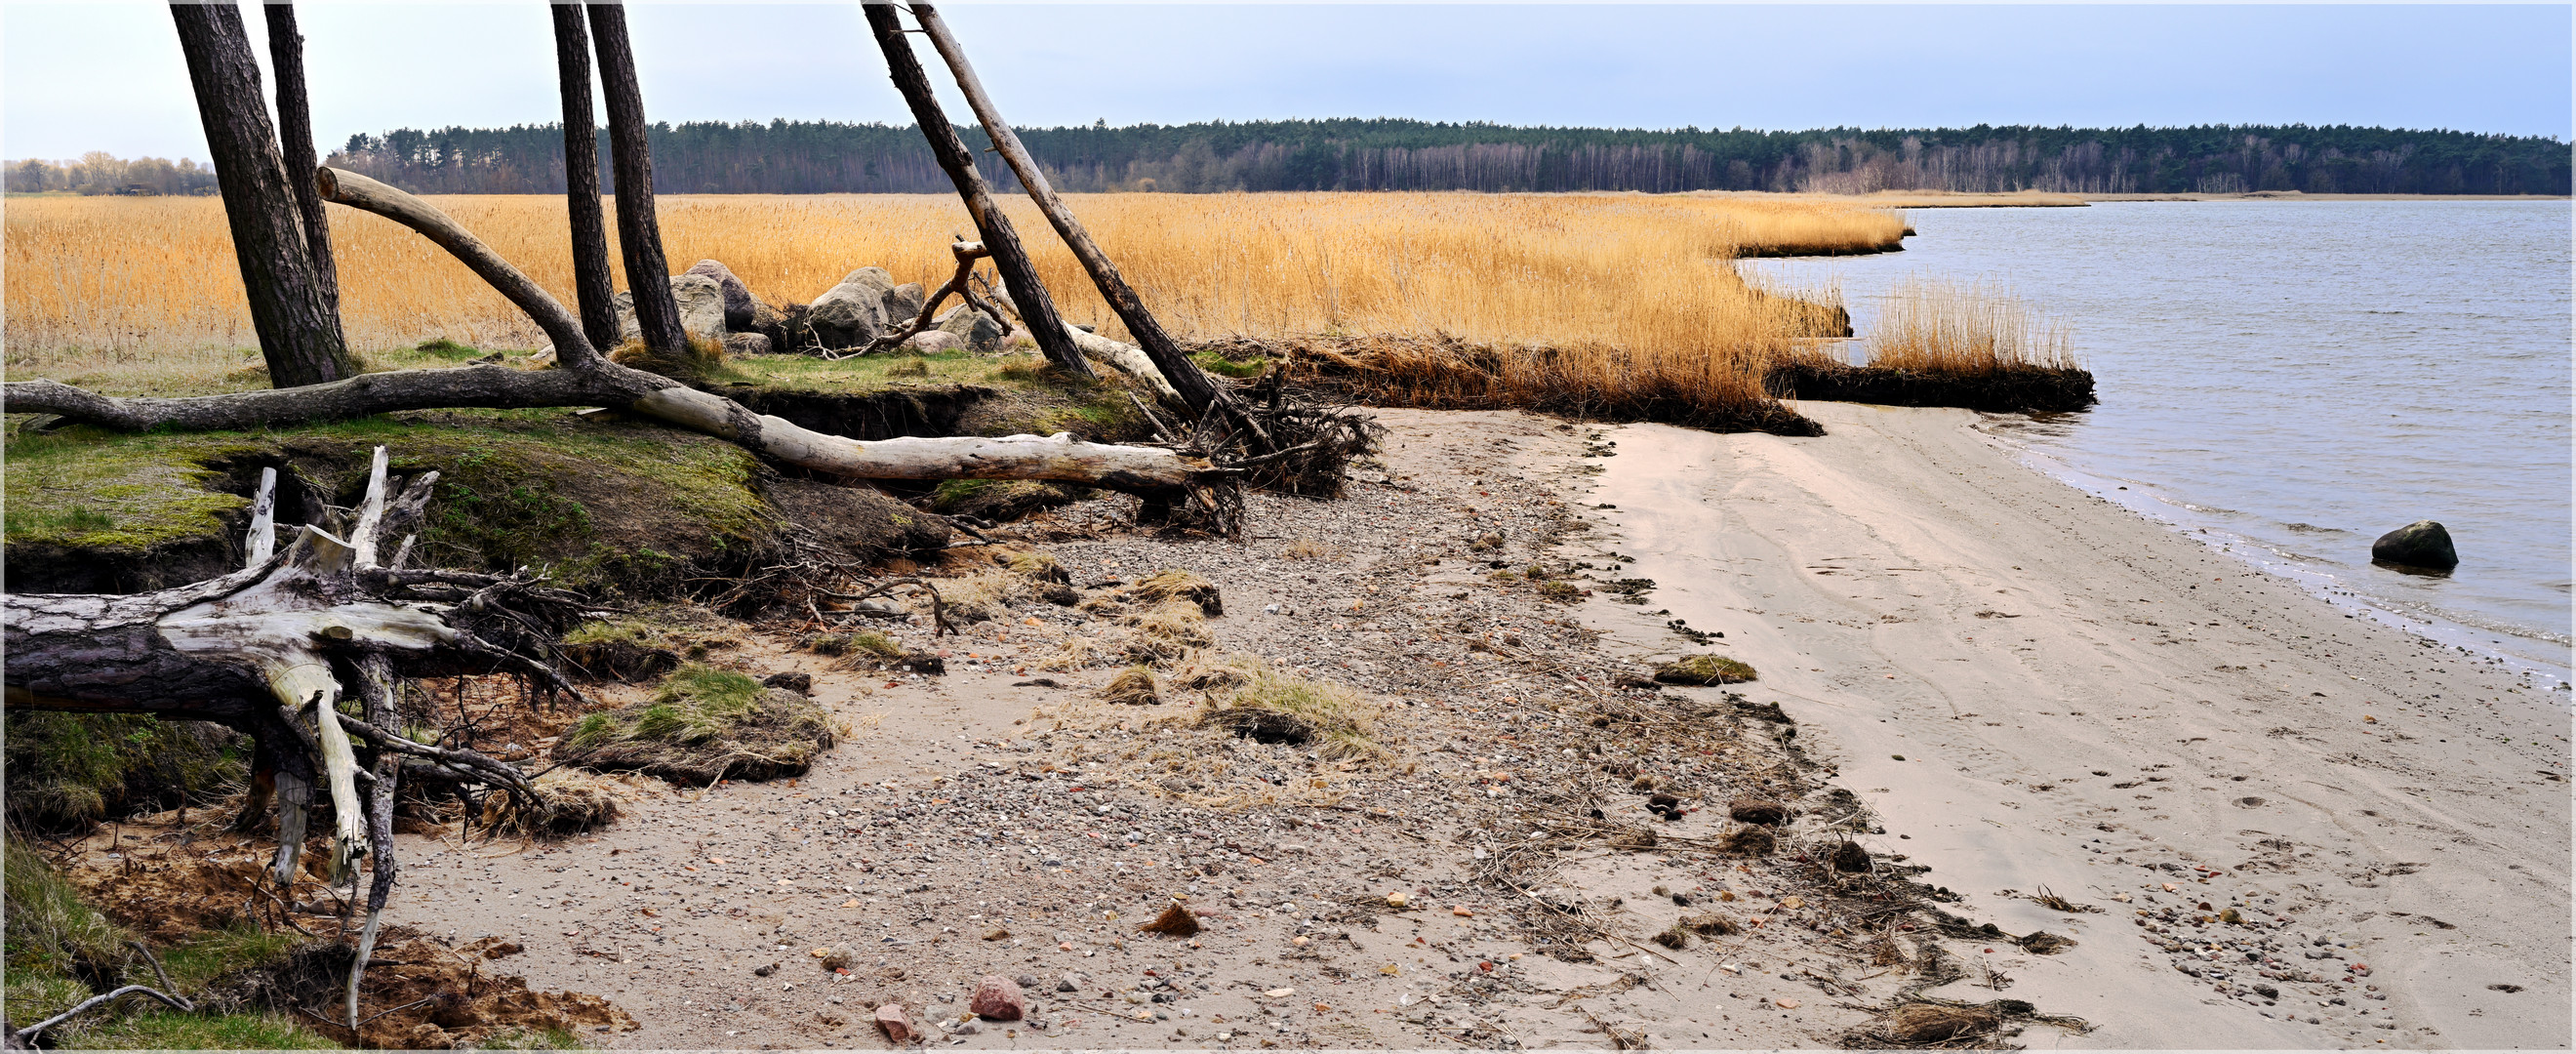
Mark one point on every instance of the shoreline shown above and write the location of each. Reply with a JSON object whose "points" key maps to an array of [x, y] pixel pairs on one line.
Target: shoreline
{"points": [[2527, 647], [1876, 576]]}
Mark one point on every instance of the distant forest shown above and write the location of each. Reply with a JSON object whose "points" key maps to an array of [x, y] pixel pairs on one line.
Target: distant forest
{"points": [[800, 157], [793, 157]]}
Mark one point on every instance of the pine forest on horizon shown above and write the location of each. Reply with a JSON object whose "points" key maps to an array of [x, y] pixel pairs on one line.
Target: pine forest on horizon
{"points": [[810, 157]]}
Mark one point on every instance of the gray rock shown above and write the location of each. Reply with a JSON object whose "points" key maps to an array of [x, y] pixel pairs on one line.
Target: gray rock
{"points": [[738, 300], [702, 309], [2422, 543], [853, 312], [746, 344], [933, 341], [973, 328], [904, 302]]}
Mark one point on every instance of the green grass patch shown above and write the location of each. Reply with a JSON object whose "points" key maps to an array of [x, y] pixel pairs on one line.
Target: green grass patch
{"points": [[535, 488], [69, 770], [170, 1030], [1225, 367]]}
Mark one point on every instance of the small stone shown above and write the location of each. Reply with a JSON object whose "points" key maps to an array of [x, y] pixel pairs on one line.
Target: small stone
{"points": [[1025, 981], [898, 1028], [997, 998], [1067, 985]]}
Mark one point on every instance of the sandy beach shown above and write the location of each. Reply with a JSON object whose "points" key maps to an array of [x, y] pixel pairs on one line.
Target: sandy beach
{"points": [[2087, 702], [2269, 825]]}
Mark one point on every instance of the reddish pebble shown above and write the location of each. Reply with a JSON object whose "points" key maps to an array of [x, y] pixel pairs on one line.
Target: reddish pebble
{"points": [[997, 998], [898, 1028]]}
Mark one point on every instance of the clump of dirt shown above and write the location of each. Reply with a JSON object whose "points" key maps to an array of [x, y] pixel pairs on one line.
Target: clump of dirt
{"points": [[1704, 670], [643, 645], [1849, 858], [1175, 921], [419, 994], [1750, 840], [1757, 811], [870, 650], [703, 725], [1941, 1024], [2046, 943], [1711, 924], [1000, 500]]}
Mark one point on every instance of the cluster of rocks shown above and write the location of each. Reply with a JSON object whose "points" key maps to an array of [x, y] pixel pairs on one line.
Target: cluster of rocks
{"points": [[716, 306]]}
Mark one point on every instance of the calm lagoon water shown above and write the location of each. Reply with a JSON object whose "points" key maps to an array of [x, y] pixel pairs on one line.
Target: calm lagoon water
{"points": [[2291, 379]]}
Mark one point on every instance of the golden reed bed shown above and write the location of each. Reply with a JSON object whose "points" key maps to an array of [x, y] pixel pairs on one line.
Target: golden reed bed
{"points": [[141, 293]]}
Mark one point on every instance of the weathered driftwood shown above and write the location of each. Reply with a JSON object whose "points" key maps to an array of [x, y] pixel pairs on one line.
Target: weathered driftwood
{"points": [[584, 378], [1018, 273], [272, 650], [1180, 375]]}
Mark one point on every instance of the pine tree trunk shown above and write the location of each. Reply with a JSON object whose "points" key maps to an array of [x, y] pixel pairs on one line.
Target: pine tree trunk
{"points": [[639, 233], [295, 142], [299, 333], [1028, 295], [1184, 376], [592, 287]]}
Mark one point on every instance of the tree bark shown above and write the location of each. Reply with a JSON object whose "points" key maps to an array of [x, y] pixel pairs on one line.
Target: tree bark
{"points": [[593, 288], [299, 334], [639, 232], [1184, 376], [1018, 274], [295, 142]]}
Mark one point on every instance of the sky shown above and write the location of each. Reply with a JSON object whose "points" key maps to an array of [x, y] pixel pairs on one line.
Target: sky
{"points": [[108, 76]]}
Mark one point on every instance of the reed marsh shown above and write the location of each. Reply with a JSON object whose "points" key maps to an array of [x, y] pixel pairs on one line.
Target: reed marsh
{"points": [[97, 283]]}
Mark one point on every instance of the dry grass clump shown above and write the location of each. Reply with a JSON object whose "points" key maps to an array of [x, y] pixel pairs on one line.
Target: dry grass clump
{"points": [[1709, 372], [1308, 547], [1929, 325], [1750, 840], [1268, 706], [1133, 687], [568, 802], [702, 725], [1166, 586]]}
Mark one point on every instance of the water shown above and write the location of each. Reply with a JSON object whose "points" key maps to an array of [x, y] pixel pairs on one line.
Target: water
{"points": [[2291, 379]]}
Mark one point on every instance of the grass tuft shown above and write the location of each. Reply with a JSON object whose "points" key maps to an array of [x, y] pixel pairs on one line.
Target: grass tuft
{"points": [[1704, 670], [1268, 706]]}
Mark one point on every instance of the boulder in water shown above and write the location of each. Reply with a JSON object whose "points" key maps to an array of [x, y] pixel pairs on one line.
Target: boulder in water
{"points": [[738, 300], [2422, 543]]}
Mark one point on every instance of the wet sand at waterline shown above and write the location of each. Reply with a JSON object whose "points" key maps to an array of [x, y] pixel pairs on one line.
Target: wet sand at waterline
{"points": [[2085, 701]]}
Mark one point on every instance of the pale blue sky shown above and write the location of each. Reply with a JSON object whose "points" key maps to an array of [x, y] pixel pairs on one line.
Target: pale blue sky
{"points": [[108, 76]]}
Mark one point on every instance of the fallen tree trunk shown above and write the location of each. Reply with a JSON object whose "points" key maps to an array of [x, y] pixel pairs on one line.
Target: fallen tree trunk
{"points": [[584, 378]]}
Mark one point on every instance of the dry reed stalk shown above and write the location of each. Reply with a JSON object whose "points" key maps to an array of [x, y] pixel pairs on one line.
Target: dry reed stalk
{"points": [[109, 286], [1929, 325]]}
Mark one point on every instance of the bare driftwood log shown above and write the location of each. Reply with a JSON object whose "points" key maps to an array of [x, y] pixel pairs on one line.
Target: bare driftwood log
{"points": [[272, 650], [586, 379], [1179, 374], [1018, 273]]}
